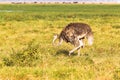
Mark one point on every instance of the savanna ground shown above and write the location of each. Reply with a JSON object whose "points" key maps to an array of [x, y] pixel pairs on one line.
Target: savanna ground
{"points": [[26, 33]]}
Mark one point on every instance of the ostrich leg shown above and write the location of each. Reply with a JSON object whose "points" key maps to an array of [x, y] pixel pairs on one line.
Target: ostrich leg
{"points": [[77, 48]]}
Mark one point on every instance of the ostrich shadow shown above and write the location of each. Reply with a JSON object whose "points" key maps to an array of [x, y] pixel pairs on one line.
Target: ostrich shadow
{"points": [[64, 52]]}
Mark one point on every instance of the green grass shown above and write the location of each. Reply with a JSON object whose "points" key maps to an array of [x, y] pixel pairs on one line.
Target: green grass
{"points": [[26, 33]]}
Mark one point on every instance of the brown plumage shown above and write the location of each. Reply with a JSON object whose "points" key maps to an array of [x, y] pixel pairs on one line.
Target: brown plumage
{"points": [[74, 33]]}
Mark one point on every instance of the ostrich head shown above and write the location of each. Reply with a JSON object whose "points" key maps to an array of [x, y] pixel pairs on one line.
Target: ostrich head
{"points": [[55, 37]]}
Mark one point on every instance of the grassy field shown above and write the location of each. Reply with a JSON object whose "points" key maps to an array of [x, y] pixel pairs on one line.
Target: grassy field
{"points": [[26, 33]]}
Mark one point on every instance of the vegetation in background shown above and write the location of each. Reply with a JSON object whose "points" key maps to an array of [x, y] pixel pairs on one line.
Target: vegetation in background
{"points": [[25, 57], [26, 33]]}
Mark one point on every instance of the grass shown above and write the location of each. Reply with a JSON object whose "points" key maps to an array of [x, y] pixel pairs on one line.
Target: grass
{"points": [[26, 33]]}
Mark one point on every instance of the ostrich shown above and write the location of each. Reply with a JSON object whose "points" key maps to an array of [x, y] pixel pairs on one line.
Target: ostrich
{"points": [[75, 33]]}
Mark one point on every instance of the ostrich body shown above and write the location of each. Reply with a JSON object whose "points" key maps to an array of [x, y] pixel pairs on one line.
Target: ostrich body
{"points": [[74, 33]]}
